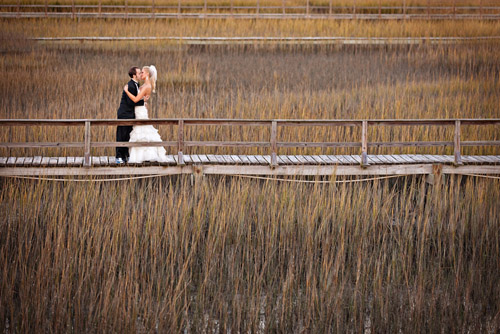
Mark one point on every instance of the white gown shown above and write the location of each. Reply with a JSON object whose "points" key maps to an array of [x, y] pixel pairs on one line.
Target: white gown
{"points": [[145, 133]]}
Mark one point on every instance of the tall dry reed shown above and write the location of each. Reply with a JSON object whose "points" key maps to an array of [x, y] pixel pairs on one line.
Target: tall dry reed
{"points": [[237, 255]]}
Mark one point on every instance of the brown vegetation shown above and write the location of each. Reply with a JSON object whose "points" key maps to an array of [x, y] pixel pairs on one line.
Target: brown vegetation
{"points": [[162, 256]]}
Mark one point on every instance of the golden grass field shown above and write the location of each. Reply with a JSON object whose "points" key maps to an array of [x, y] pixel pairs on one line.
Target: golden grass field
{"points": [[239, 255]]}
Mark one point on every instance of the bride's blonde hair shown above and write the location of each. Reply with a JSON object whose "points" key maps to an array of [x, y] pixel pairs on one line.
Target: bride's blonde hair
{"points": [[152, 78]]}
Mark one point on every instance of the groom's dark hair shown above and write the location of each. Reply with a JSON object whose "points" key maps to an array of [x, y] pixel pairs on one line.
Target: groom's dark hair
{"points": [[132, 71]]}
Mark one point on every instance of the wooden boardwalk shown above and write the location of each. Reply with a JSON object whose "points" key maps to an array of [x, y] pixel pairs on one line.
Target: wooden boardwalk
{"points": [[255, 165], [308, 10], [270, 164]]}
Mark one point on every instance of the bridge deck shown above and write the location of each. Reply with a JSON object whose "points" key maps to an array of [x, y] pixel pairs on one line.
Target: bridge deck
{"points": [[210, 159], [403, 164]]}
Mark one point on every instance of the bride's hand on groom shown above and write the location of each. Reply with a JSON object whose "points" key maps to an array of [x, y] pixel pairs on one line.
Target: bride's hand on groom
{"points": [[146, 98], [125, 88]]}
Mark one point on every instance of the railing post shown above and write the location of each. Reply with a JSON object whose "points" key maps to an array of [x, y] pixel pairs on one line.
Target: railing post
{"points": [[100, 7], [454, 10], [481, 9], [404, 9], [274, 146], [307, 8], [283, 7], [354, 9], [153, 9], [73, 8], [46, 8], [180, 143], [379, 9], [364, 144], [179, 8], [258, 8], [126, 9], [18, 8], [330, 7], [458, 157], [86, 159]]}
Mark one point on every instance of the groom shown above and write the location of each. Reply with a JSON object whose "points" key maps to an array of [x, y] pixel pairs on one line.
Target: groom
{"points": [[126, 111]]}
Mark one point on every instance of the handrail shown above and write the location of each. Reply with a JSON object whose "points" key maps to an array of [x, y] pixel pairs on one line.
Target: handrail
{"points": [[273, 144]]}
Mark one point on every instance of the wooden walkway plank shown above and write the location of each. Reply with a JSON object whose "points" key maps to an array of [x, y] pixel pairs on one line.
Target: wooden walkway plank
{"points": [[293, 159], [53, 161], [61, 161], [301, 159], [343, 159], [318, 159], [267, 158], [404, 159], [204, 158], [372, 160], [220, 159], [44, 161], [310, 160], [195, 158], [28, 161], [227, 159], [11, 161], [252, 159], [3, 161], [79, 161], [388, 158], [104, 160], [350, 160], [285, 160], [244, 159], [384, 159], [326, 159], [408, 158], [483, 159], [95, 161], [212, 158], [356, 158], [280, 160], [112, 161], [236, 159], [70, 161], [37, 160], [469, 159], [187, 159], [334, 159], [261, 160], [20, 161]]}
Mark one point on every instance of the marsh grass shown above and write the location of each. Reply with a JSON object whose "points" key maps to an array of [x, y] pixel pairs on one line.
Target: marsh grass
{"points": [[84, 80], [162, 255], [250, 256]]}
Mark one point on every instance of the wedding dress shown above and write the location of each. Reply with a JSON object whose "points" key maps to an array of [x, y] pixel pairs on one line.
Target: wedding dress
{"points": [[145, 133]]}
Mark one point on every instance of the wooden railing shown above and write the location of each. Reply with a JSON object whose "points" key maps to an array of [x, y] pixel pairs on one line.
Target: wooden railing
{"points": [[273, 144], [258, 10]]}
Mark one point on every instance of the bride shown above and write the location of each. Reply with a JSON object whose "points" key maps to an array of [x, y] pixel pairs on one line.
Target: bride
{"points": [[145, 133]]}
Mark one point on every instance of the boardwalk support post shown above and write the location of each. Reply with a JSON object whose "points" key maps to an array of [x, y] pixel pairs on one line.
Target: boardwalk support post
{"points": [[86, 160], [364, 144], [274, 146], [180, 143], [458, 157]]}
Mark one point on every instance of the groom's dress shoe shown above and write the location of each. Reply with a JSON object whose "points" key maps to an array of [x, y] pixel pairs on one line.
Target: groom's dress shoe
{"points": [[119, 161]]}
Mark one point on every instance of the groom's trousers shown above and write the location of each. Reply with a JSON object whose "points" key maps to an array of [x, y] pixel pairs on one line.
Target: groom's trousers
{"points": [[123, 134]]}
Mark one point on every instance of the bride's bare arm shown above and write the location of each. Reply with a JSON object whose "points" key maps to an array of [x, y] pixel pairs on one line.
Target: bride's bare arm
{"points": [[142, 93]]}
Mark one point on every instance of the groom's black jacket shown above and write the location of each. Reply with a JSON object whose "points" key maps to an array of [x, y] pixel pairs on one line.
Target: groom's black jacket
{"points": [[126, 109]]}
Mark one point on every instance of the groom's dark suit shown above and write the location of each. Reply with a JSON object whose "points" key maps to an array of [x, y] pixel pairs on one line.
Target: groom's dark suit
{"points": [[126, 111]]}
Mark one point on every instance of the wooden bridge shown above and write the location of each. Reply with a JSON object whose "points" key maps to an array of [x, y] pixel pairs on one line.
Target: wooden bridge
{"points": [[271, 163], [259, 10]]}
